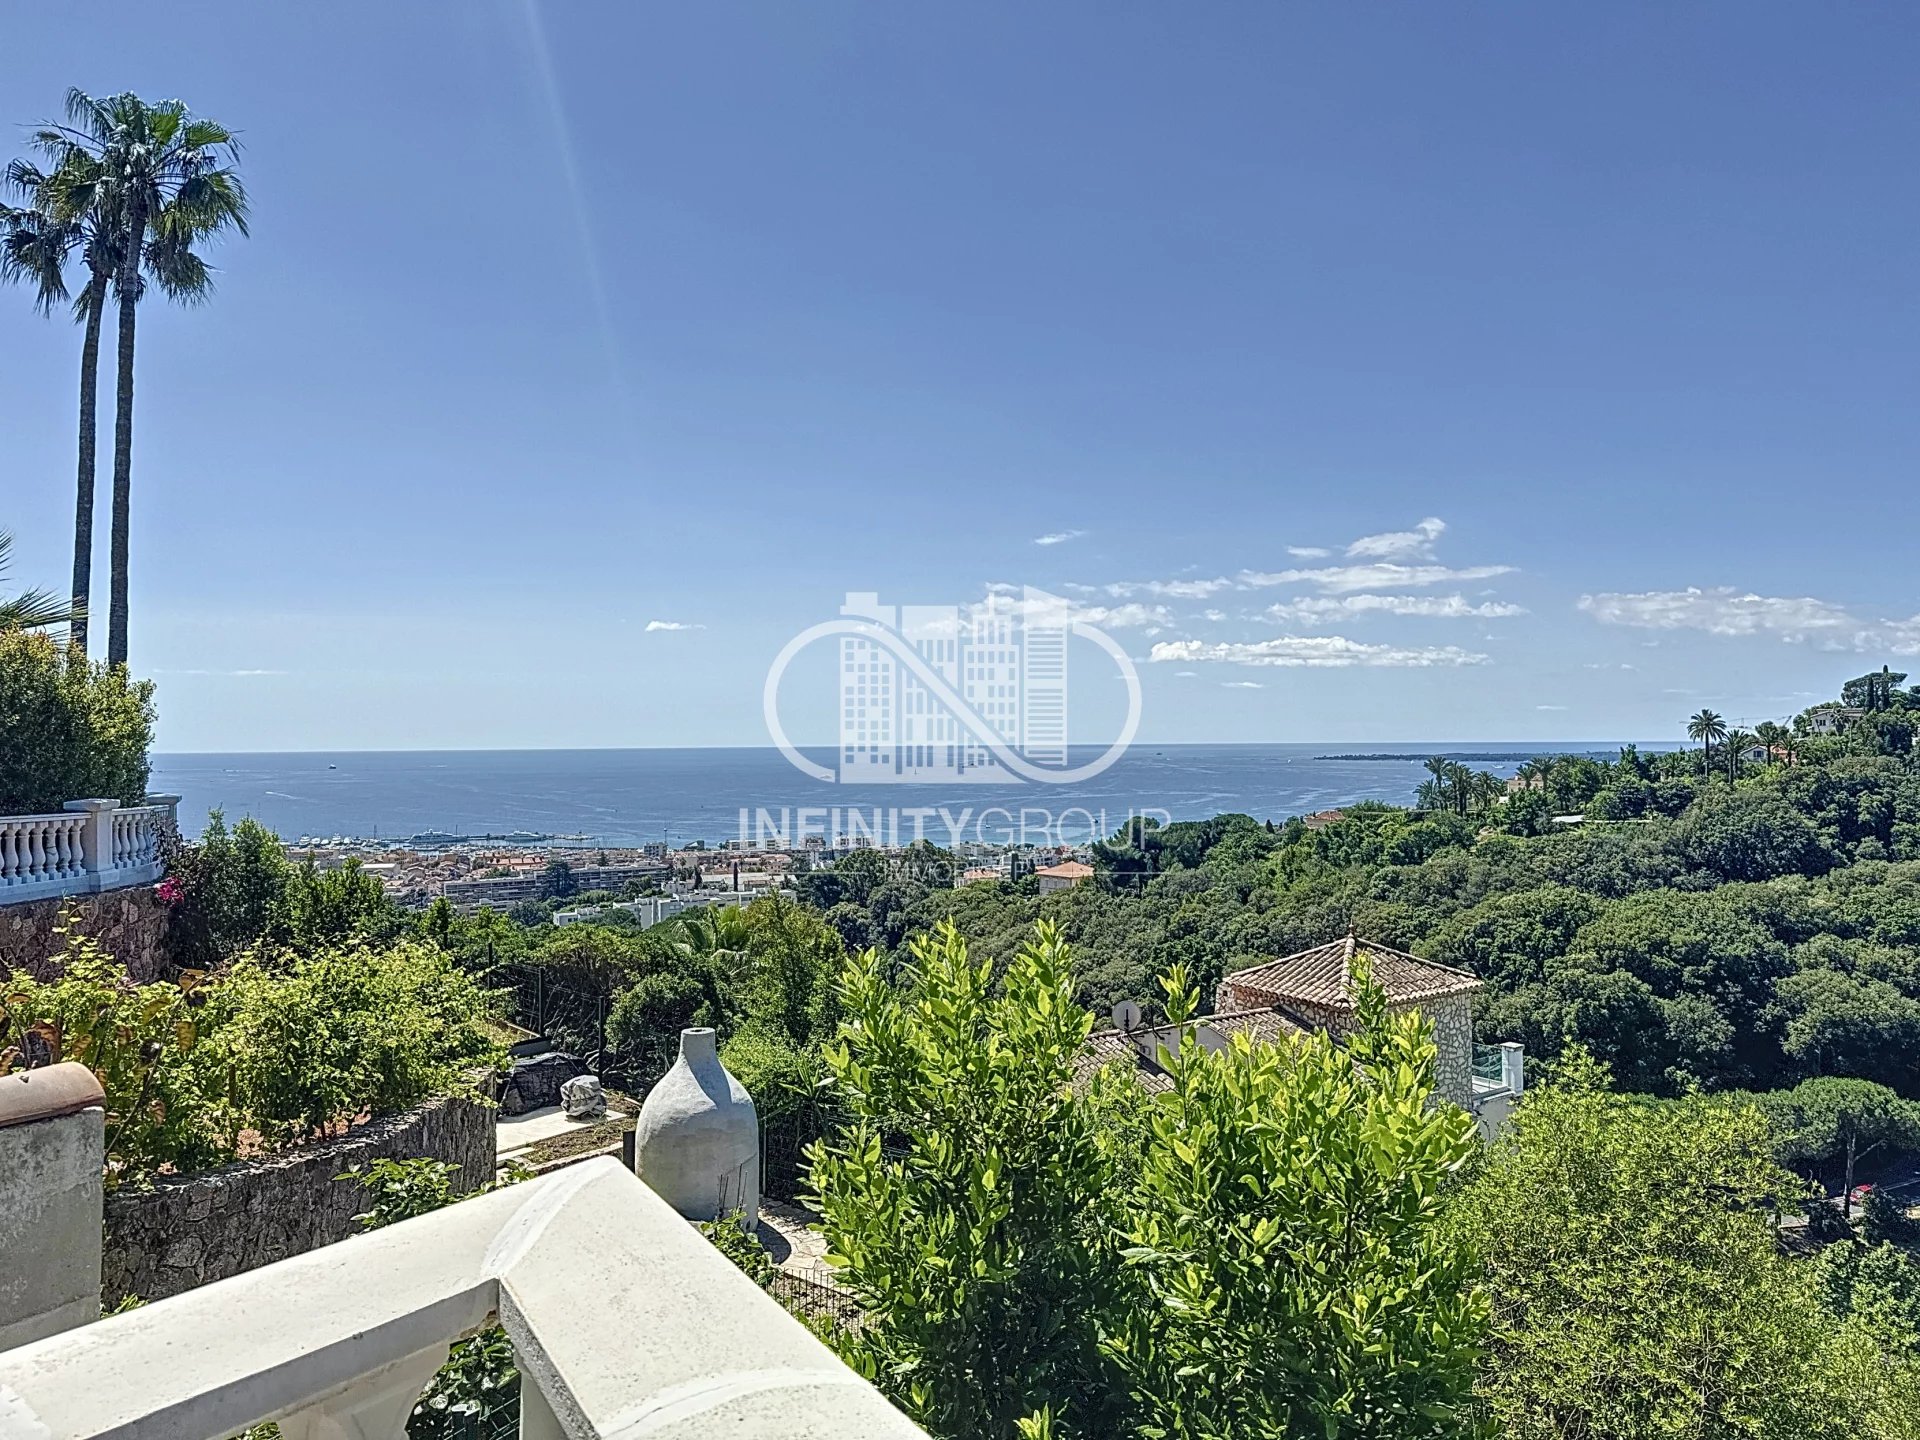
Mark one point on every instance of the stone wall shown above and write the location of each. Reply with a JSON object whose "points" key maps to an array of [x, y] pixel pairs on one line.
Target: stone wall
{"points": [[130, 923], [190, 1231], [1453, 1040]]}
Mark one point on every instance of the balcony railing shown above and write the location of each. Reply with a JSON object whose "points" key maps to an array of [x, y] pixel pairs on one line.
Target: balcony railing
{"points": [[92, 845], [1498, 1070], [625, 1323]]}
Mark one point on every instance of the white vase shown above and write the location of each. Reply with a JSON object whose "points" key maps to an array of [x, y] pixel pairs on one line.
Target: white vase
{"points": [[697, 1142]]}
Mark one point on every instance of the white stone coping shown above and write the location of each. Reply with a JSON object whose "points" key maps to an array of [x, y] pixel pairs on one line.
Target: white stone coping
{"points": [[627, 1324]]}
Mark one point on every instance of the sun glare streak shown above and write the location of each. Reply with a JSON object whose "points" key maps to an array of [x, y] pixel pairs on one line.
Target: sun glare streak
{"points": [[542, 58]]}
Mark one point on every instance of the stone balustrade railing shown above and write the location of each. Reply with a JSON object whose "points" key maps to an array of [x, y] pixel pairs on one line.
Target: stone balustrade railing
{"points": [[92, 845], [624, 1321]]}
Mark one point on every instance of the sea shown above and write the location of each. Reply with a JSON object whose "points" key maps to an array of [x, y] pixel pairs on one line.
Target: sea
{"points": [[631, 797]]}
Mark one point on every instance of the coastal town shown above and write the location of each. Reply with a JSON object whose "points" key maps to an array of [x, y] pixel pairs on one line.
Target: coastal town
{"points": [[648, 883]]}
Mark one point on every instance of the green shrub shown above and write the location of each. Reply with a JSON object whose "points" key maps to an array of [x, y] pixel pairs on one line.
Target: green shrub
{"points": [[732, 1239], [402, 1189], [347, 1033], [69, 730], [230, 887], [203, 1070], [237, 889], [143, 1043], [646, 1021]]}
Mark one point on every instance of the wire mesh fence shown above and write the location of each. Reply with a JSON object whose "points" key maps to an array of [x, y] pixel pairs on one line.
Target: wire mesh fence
{"points": [[814, 1298]]}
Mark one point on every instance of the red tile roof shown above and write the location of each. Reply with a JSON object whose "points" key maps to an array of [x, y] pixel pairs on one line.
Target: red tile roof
{"points": [[1324, 976], [1067, 870]]}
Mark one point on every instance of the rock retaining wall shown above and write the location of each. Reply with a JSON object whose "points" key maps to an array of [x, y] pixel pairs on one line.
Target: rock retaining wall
{"points": [[199, 1228], [130, 923]]}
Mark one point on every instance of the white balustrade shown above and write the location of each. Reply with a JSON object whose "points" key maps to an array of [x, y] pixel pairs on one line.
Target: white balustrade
{"points": [[625, 1323], [93, 845]]}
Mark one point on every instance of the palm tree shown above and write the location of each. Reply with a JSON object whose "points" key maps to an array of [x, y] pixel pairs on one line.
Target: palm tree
{"points": [[715, 933], [35, 242], [156, 179], [1707, 728], [1537, 772], [1488, 789], [31, 609], [1737, 740], [1775, 737], [1460, 786]]}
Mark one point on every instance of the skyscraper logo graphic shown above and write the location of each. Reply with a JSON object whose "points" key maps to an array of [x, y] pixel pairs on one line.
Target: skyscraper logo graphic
{"points": [[954, 694]]}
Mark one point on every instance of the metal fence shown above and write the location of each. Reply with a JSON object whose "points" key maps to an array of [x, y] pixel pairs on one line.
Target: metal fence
{"points": [[575, 1019], [815, 1299]]}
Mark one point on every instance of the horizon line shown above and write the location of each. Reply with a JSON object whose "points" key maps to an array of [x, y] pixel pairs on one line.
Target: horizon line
{"points": [[1371, 745]]}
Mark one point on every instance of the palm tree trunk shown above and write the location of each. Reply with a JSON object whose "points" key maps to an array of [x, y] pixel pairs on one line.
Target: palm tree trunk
{"points": [[129, 289], [83, 488]]}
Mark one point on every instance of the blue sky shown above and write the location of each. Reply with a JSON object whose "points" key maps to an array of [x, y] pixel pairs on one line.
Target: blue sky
{"points": [[558, 321]]}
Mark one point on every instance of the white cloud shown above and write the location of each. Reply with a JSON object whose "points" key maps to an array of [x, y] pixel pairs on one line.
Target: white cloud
{"points": [[1414, 544], [653, 625], [1187, 674], [1243, 685], [1439, 607], [1391, 560], [1058, 537], [1314, 651], [1725, 611], [1169, 589], [1385, 575], [1057, 610], [1720, 611], [1549, 707], [1214, 615]]}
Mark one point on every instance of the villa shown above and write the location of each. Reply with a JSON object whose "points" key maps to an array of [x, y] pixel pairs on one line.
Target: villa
{"points": [[1312, 992], [1064, 876]]}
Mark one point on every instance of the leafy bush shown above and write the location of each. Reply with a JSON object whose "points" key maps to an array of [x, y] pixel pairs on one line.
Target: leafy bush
{"points": [[733, 1240], [202, 1070], [141, 1041], [347, 1033], [1287, 1295], [647, 1019], [237, 889], [228, 890], [1884, 1221], [69, 730], [1257, 1253], [1639, 1287], [402, 1189]]}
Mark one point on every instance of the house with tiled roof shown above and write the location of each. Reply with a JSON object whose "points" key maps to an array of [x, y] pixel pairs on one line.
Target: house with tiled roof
{"points": [[1313, 992], [1064, 876]]}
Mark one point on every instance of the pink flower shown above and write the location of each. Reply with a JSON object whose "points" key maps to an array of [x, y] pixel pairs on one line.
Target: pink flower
{"points": [[169, 891]]}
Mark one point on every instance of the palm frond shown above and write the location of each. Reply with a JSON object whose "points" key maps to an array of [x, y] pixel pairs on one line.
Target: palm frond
{"points": [[34, 610], [95, 117], [182, 275], [33, 250]]}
